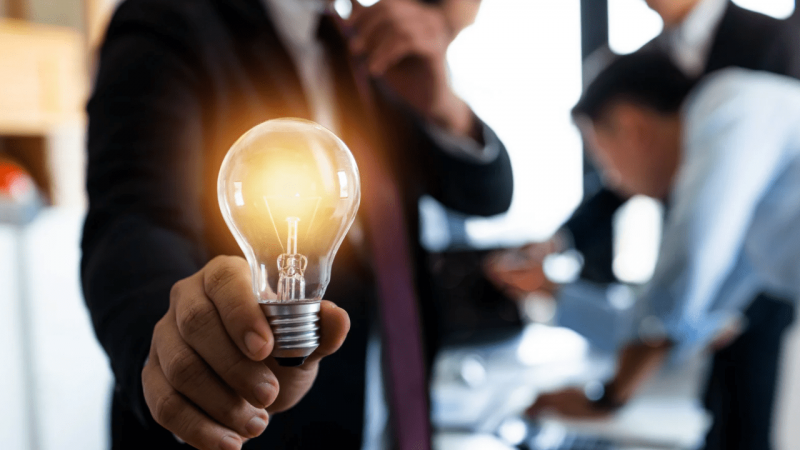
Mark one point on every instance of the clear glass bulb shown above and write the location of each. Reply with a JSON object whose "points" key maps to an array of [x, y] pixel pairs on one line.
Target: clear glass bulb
{"points": [[289, 190]]}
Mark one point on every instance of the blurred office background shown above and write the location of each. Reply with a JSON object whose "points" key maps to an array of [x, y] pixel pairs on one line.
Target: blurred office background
{"points": [[520, 68]]}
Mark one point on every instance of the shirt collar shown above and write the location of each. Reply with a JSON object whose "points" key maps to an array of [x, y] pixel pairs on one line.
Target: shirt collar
{"points": [[296, 21], [699, 27], [690, 43]]}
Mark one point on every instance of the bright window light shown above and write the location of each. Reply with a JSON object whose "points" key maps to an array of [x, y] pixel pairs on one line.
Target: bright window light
{"points": [[780, 9], [631, 24], [519, 67], [637, 235]]}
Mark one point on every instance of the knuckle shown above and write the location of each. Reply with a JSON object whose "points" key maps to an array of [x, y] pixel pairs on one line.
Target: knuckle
{"points": [[175, 292], [243, 374], [196, 318], [234, 310], [184, 369], [237, 372], [275, 390], [166, 409], [236, 413], [222, 271], [156, 332]]}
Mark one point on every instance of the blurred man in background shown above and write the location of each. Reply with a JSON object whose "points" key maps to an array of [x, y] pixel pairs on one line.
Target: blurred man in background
{"points": [[725, 157], [178, 82], [700, 37]]}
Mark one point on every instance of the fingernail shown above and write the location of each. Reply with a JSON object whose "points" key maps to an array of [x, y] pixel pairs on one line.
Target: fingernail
{"points": [[254, 342], [264, 393], [230, 443], [256, 426]]}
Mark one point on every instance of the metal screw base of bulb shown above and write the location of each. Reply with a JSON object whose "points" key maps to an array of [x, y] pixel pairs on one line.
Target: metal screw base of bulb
{"points": [[295, 328]]}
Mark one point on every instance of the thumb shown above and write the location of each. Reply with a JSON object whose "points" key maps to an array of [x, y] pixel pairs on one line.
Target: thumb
{"points": [[334, 326]]}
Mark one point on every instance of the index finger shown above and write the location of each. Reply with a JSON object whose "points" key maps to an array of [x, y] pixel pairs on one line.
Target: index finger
{"points": [[226, 280]]}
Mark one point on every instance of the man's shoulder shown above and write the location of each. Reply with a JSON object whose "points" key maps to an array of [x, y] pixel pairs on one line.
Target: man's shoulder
{"points": [[191, 28], [746, 19], [740, 102], [186, 17], [733, 88], [760, 29], [154, 10]]}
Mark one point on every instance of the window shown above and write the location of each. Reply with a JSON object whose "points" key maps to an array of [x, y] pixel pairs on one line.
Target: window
{"points": [[780, 9], [519, 67], [631, 24]]}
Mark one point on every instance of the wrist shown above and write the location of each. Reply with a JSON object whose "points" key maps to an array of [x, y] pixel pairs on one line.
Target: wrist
{"points": [[456, 117], [604, 397]]}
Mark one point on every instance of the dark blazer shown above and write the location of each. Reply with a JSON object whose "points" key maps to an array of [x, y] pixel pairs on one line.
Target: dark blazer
{"points": [[743, 39], [178, 82]]}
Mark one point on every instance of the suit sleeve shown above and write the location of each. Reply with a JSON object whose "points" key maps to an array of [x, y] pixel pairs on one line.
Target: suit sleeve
{"points": [[591, 231], [142, 228], [783, 55], [467, 184]]}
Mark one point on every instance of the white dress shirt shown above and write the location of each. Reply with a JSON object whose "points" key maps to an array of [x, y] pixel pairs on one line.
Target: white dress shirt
{"points": [[733, 227], [296, 22]]}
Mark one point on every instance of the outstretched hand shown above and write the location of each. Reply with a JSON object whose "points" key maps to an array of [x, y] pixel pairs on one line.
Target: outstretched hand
{"points": [[569, 403], [209, 378], [519, 271]]}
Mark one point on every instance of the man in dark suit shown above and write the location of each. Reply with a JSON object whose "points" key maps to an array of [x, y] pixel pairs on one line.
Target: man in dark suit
{"points": [[178, 82]]}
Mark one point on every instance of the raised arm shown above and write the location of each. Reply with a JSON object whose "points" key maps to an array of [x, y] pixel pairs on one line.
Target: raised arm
{"points": [[404, 44], [144, 158]]}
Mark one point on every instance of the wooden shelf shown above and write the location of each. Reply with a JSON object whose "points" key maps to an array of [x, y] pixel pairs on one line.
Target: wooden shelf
{"points": [[43, 89]]}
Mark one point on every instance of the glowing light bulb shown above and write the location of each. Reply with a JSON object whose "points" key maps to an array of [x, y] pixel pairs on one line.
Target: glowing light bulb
{"points": [[289, 190]]}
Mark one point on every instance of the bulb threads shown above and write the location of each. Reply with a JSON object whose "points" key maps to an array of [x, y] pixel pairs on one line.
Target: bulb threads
{"points": [[295, 328]]}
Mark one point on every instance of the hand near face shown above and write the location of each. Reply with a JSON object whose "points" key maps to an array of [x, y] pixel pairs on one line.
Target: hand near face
{"points": [[209, 379], [404, 43]]}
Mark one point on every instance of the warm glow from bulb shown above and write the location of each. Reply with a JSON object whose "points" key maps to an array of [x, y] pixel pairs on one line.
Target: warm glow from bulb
{"points": [[287, 183]]}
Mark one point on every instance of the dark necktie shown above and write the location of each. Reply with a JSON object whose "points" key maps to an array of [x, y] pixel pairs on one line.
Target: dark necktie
{"points": [[389, 243]]}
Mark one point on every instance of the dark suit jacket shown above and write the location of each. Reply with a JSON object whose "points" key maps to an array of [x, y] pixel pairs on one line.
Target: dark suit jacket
{"points": [[744, 39], [178, 82]]}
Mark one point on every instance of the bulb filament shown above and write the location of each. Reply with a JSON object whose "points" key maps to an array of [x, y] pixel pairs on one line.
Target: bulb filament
{"points": [[291, 284]]}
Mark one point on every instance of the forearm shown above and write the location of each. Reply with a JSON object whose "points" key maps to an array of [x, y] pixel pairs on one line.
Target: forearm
{"points": [[591, 231], [466, 184], [127, 272], [637, 363], [455, 116]]}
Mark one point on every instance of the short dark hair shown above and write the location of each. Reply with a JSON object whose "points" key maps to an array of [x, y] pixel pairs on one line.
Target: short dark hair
{"points": [[647, 78]]}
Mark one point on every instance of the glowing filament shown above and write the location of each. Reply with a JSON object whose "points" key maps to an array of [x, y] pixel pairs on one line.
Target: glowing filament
{"points": [[292, 284]]}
